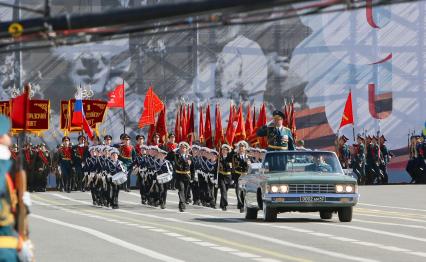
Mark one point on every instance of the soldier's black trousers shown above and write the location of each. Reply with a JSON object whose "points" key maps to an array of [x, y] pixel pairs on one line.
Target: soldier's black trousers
{"points": [[224, 182], [79, 176], [66, 174], [240, 197], [182, 184]]}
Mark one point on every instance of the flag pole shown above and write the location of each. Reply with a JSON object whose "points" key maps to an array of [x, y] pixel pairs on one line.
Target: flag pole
{"points": [[124, 108]]}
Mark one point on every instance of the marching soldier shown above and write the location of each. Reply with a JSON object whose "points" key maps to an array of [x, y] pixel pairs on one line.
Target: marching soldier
{"points": [[181, 161], [90, 168], [28, 166], [66, 156], [240, 164], [171, 144], [373, 162], [156, 140], [108, 140], [358, 162], [225, 175], [81, 152], [115, 166], [41, 168], [196, 174], [386, 156], [344, 152], [14, 150], [127, 154], [279, 137]]}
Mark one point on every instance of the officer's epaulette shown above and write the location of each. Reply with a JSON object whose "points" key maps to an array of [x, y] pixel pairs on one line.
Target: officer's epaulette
{"points": [[287, 128]]}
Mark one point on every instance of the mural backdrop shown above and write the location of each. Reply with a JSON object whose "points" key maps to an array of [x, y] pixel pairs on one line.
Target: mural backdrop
{"points": [[379, 54]]}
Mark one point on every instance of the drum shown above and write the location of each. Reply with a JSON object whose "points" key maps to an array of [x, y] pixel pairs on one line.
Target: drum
{"points": [[119, 178], [164, 178]]}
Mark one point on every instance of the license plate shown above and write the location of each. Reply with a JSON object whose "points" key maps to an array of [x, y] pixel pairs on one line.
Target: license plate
{"points": [[312, 199]]}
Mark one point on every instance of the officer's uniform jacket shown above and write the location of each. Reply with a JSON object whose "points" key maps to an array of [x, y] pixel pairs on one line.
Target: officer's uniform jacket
{"points": [[240, 164], [182, 169], [275, 135]]}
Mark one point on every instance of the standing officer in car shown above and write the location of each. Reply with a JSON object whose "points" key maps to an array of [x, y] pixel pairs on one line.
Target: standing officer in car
{"points": [[279, 137]]}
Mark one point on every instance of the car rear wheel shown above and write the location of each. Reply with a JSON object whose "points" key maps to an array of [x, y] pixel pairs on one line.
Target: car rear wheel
{"points": [[251, 213], [345, 214], [326, 215], [269, 214]]}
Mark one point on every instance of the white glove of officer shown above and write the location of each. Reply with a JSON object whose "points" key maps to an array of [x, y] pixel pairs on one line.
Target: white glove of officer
{"points": [[26, 254]]}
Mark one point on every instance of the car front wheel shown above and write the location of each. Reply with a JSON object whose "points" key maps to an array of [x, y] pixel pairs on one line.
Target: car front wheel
{"points": [[326, 215], [345, 214], [269, 214]]}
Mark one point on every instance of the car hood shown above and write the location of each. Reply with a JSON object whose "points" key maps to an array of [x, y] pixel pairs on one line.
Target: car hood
{"points": [[308, 178]]}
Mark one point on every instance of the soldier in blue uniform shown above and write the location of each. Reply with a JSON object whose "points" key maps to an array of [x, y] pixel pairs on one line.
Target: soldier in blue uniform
{"points": [[115, 166], [279, 137]]}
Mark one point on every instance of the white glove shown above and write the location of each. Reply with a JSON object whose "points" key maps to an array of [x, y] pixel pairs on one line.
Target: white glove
{"points": [[27, 252], [26, 198]]}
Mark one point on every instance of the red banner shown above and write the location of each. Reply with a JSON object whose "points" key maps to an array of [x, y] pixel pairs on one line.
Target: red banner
{"points": [[38, 114], [94, 110]]}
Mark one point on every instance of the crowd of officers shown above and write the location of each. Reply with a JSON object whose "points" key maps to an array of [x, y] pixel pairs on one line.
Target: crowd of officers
{"points": [[368, 158], [416, 165]]}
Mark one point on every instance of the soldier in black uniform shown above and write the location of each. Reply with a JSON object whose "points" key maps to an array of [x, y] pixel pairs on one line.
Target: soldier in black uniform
{"points": [[373, 171], [181, 161], [196, 175], [115, 166], [386, 156], [343, 152], [41, 165], [225, 175], [89, 169], [279, 136], [358, 159], [240, 164]]}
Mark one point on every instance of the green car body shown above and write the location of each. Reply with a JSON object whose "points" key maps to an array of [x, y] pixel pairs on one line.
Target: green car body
{"points": [[303, 191]]}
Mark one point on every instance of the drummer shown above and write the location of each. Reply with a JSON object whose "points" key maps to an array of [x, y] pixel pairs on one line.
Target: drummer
{"points": [[116, 167], [163, 167]]}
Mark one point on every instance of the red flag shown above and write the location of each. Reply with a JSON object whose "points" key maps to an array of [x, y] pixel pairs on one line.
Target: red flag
{"points": [[348, 116], [183, 124], [261, 121], [117, 97], [87, 129], [218, 137], [191, 128], [177, 126], [152, 105], [161, 127], [208, 129], [254, 118], [20, 106], [286, 112], [240, 132], [292, 121], [201, 126], [248, 126], [230, 130], [151, 133]]}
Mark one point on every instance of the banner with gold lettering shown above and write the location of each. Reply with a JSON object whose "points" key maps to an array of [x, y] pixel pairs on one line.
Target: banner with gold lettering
{"points": [[5, 108], [94, 111], [38, 116]]}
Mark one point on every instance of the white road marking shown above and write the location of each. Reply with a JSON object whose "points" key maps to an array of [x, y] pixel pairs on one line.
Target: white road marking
{"points": [[393, 207], [265, 260], [145, 227], [244, 233], [189, 239], [206, 244], [320, 234], [345, 239], [173, 234], [159, 230], [116, 241], [388, 224], [225, 249], [422, 254], [245, 255]]}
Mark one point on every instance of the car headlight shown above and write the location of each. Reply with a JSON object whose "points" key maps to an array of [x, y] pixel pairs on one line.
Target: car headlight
{"points": [[339, 188], [278, 188], [349, 189], [284, 188], [345, 188]]}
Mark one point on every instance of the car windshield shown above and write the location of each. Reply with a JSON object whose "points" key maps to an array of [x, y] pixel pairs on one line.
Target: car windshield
{"points": [[306, 161]]}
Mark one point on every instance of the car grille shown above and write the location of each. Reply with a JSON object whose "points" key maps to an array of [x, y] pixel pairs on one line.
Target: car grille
{"points": [[311, 188]]}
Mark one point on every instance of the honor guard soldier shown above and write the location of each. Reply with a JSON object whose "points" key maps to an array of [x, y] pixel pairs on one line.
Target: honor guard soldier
{"points": [[14, 150], [12, 248], [373, 171], [156, 140], [171, 144], [127, 154], [28, 166], [81, 152], [225, 175], [181, 161], [240, 164], [89, 169], [140, 141], [358, 160], [343, 152], [66, 156], [41, 168], [141, 163], [108, 140], [386, 157], [279, 137]]}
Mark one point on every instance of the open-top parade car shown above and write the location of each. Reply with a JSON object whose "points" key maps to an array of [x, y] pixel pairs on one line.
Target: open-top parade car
{"points": [[304, 181]]}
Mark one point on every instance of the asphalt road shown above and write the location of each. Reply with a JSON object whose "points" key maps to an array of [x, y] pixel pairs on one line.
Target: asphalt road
{"points": [[389, 225]]}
